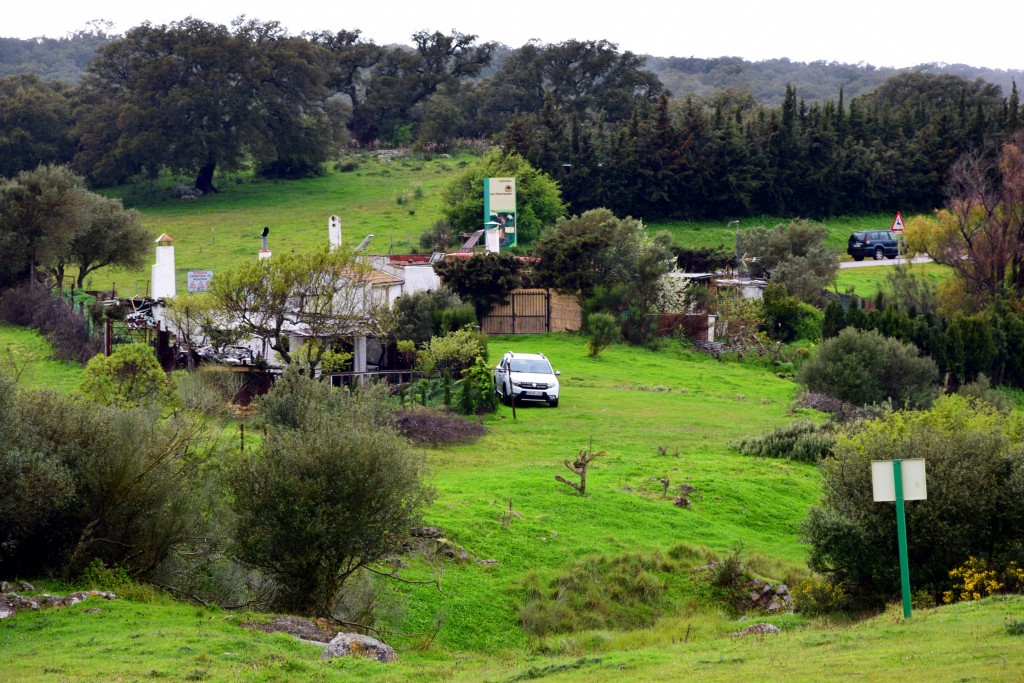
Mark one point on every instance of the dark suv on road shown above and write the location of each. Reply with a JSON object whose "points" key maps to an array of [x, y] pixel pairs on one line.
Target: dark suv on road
{"points": [[877, 244]]}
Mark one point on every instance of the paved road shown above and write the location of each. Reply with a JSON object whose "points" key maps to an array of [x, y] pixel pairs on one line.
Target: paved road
{"points": [[867, 263]]}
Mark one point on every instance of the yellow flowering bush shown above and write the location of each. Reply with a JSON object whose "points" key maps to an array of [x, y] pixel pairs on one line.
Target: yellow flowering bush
{"points": [[974, 579], [814, 597]]}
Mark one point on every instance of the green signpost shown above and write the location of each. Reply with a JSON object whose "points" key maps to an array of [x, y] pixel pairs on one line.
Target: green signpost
{"points": [[899, 481]]}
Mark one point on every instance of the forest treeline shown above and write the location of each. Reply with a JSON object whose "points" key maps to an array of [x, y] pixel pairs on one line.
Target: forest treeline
{"points": [[694, 139], [67, 57]]}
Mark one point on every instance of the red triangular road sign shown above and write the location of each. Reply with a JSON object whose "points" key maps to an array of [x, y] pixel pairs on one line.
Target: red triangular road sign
{"points": [[897, 223]]}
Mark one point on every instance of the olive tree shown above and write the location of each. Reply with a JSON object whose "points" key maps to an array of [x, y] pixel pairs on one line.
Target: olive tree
{"points": [[867, 367], [538, 199], [84, 481], [325, 293], [130, 376], [793, 254], [332, 489]]}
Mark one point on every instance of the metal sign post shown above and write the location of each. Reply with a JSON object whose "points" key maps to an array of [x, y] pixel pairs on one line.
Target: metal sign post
{"points": [[898, 481], [901, 533]]}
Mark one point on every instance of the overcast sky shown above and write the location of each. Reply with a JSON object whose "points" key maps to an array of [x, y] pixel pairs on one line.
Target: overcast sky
{"points": [[982, 33]]}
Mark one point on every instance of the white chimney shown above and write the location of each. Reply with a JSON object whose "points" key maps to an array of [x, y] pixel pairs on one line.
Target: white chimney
{"points": [[334, 232], [163, 270], [264, 252], [492, 240]]}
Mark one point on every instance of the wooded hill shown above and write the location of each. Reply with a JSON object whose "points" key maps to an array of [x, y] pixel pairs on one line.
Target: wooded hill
{"points": [[199, 98], [66, 59]]}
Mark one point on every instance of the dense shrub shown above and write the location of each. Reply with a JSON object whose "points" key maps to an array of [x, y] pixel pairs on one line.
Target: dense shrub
{"points": [[414, 313], [787, 318], [452, 354], [84, 482], [975, 507], [803, 440], [66, 331], [815, 597], [207, 391], [602, 331], [975, 579], [130, 376], [332, 489], [452, 318], [476, 389], [982, 390], [866, 367]]}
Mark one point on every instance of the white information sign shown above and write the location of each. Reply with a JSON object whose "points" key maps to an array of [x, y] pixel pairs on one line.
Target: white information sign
{"points": [[883, 480], [199, 280]]}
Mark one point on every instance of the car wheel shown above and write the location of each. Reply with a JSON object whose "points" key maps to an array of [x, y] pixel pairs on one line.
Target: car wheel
{"points": [[553, 403], [879, 254]]}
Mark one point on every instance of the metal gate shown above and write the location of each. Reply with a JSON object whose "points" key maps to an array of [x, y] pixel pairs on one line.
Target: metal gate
{"points": [[528, 311]]}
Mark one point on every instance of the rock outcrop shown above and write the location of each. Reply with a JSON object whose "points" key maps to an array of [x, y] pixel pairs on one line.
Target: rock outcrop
{"points": [[11, 602], [356, 645]]}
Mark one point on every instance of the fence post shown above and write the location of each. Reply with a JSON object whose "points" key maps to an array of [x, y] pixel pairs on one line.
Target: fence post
{"points": [[547, 310]]}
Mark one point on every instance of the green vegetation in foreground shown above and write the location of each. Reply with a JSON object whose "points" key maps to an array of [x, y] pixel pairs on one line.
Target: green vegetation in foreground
{"points": [[627, 401], [866, 282], [128, 640], [24, 347]]}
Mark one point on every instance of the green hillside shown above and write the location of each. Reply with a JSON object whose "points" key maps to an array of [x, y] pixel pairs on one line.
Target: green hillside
{"points": [[393, 198], [665, 417]]}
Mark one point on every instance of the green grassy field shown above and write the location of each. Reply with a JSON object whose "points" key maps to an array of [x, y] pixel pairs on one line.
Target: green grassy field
{"points": [[132, 641], [394, 199], [30, 356], [868, 281], [720, 234]]}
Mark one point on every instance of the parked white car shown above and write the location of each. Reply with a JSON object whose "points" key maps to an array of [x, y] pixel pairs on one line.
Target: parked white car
{"points": [[526, 377]]}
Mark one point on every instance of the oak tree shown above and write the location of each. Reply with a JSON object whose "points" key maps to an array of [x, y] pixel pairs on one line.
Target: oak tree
{"points": [[192, 95]]}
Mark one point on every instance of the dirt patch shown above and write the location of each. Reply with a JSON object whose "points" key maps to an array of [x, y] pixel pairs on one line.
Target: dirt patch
{"points": [[319, 630]]}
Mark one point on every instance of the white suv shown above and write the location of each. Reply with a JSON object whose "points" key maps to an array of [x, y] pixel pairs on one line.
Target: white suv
{"points": [[526, 377]]}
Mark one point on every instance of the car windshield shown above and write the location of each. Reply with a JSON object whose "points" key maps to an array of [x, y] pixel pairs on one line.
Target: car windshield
{"points": [[540, 367]]}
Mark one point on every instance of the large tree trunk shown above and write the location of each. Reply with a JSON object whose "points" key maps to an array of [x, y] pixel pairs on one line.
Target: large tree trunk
{"points": [[204, 181]]}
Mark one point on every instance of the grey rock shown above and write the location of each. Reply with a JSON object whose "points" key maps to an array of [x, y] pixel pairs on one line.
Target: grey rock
{"points": [[6, 608], [20, 602], [759, 629], [426, 532], [356, 645]]}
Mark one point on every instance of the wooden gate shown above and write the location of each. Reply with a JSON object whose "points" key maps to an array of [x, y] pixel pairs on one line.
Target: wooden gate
{"points": [[528, 311]]}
